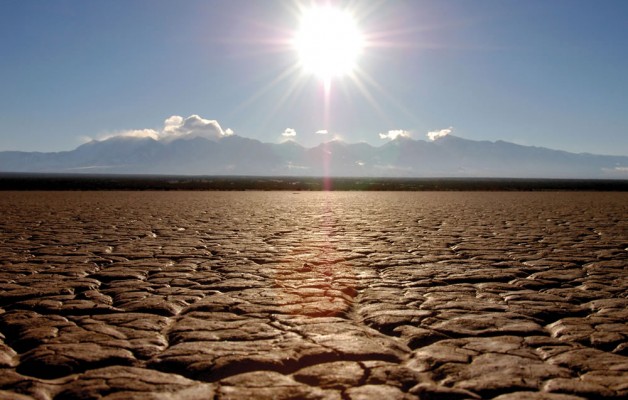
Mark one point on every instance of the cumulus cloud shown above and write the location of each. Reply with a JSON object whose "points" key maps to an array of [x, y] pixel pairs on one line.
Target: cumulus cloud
{"points": [[171, 124], [394, 134], [175, 127], [322, 132], [193, 126], [289, 132], [142, 133], [433, 135]]}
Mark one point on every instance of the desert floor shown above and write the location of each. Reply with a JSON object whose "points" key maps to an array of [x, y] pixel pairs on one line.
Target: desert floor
{"points": [[313, 295]]}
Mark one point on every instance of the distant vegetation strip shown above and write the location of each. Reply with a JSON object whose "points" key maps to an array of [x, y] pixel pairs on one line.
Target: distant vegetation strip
{"points": [[21, 181]]}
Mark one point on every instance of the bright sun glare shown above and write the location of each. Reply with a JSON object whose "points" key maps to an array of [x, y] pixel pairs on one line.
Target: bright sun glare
{"points": [[328, 42]]}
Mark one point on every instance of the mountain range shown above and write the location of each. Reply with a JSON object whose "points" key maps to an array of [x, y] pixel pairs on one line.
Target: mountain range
{"points": [[448, 156]]}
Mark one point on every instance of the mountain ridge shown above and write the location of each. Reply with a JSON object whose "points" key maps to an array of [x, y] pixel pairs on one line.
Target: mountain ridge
{"points": [[448, 156]]}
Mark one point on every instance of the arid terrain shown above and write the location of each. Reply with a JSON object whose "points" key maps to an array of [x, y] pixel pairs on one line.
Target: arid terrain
{"points": [[313, 295]]}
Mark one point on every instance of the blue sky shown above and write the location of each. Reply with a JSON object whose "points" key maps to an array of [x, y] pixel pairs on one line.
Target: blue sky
{"points": [[542, 73]]}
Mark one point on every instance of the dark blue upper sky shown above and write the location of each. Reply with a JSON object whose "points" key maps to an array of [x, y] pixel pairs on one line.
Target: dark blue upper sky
{"points": [[544, 73]]}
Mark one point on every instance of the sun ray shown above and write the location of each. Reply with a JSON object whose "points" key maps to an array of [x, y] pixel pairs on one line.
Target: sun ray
{"points": [[286, 73], [363, 76], [363, 89], [295, 87]]}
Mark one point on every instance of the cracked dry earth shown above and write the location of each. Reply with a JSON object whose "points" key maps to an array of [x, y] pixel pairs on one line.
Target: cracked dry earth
{"points": [[318, 295]]}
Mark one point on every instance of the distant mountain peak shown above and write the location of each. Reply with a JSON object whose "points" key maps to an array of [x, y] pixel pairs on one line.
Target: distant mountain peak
{"points": [[446, 156]]}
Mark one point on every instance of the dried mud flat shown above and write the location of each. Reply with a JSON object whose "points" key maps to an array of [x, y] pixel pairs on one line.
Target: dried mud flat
{"points": [[318, 295]]}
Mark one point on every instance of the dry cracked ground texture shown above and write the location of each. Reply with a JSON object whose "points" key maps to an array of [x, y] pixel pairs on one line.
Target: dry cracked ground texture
{"points": [[322, 295]]}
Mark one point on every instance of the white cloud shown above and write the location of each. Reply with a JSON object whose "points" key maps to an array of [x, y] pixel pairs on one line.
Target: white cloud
{"points": [[394, 134], [175, 127], [193, 126], [142, 133], [322, 132], [171, 124], [433, 135], [135, 133], [289, 132]]}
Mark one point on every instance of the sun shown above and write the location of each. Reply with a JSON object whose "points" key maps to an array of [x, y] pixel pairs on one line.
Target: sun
{"points": [[328, 42]]}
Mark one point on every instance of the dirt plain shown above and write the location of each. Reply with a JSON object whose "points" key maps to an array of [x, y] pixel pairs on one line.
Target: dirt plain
{"points": [[313, 295]]}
